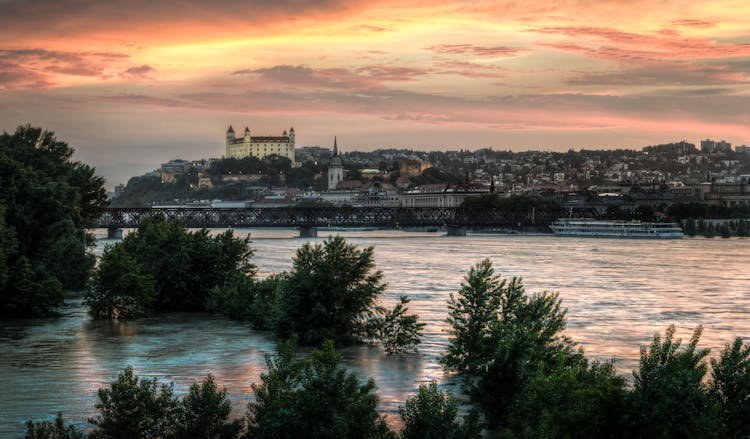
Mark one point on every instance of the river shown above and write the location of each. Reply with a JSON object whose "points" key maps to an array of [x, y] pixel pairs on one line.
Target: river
{"points": [[618, 293]]}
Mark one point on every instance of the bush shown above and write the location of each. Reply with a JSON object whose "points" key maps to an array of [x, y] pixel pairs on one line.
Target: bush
{"points": [[183, 267], [52, 430], [574, 400], [397, 331], [313, 398], [330, 293], [203, 413], [502, 338], [730, 387], [432, 414], [670, 398], [135, 408], [46, 202], [244, 298], [118, 289]]}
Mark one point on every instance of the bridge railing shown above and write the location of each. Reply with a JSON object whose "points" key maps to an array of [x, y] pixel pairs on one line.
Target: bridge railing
{"points": [[386, 217]]}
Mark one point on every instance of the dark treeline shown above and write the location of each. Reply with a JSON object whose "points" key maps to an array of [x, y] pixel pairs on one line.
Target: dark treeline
{"points": [[46, 203]]}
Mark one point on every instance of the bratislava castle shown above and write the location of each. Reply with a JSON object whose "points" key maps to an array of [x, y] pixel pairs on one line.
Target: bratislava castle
{"points": [[247, 145]]}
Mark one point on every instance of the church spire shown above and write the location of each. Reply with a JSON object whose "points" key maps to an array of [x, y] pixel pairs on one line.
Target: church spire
{"points": [[335, 147]]}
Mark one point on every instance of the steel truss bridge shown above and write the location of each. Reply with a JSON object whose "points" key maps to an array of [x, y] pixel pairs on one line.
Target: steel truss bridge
{"points": [[309, 217]]}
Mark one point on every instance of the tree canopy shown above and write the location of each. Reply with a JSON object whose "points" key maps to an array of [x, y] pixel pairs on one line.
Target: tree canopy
{"points": [[47, 202]]}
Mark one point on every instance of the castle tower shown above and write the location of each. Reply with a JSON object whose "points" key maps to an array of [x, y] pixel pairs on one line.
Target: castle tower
{"points": [[335, 169], [247, 135], [230, 140], [291, 136]]}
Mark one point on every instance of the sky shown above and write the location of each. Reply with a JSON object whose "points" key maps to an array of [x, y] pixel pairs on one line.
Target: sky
{"points": [[131, 84]]}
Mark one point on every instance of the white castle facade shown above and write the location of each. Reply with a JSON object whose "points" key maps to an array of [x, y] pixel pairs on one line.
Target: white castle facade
{"points": [[260, 146]]}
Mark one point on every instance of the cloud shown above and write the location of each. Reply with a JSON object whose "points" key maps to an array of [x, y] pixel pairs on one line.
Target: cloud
{"points": [[616, 45], [391, 73], [663, 74], [38, 68], [687, 22], [483, 51], [142, 71], [142, 20], [470, 69]]}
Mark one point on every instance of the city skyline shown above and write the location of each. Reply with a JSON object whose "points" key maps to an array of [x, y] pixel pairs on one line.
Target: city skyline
{"points": [[131, 85]]}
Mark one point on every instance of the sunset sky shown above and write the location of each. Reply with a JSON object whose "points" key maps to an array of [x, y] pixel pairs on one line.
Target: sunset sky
{"points": [[134, 83]]}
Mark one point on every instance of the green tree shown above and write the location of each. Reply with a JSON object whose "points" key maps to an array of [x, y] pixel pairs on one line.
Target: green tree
{"points": [[186, 265], [670, 398], [500, 351], [118, 289], [709, 231], [134, 408], [472, 314], [399, 332], [330, 293], [52, 430], [576, 399], [432, 414], [49, 200], [724, 230], [245, 298], [313, 398], [690, 227], [204, 412], [730, 387], [742, 228]]}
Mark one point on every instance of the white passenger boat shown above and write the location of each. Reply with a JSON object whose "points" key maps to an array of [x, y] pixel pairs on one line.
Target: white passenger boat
{"points": [[585, 227]]}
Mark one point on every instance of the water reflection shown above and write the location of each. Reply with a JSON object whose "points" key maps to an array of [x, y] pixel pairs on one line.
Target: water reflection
{"points": [[618, 294]]}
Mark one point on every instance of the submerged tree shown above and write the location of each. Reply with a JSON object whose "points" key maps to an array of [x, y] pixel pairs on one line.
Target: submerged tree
{"points": [[118, 289], [313, 398], [397, 331], [330, 294]]}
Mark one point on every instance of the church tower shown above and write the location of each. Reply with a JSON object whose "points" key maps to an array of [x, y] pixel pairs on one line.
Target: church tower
{"points": [[335, 169]]}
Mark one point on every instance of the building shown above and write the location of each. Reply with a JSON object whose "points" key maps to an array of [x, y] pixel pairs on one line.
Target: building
{"points": [[442, 195], [707, 146], [335, 168], [743, 149], [260, 146]]}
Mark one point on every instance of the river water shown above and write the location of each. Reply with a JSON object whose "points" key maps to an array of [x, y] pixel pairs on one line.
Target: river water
{"points": [[618, 293]]}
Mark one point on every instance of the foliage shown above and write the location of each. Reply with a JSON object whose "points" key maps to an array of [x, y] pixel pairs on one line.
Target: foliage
{"points": [[397, 331], [46, 203], [184, 266], [52, 430], [313, 398], [670, 399], [690, 227], [244, 298], [118, 289], [203, 413], [503, 337], [472, 314], [575, 400], [135, 408], [432, 414], [730, 387], [330, 293]]}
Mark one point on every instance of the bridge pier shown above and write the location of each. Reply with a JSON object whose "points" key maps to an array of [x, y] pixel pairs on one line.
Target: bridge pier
{"points": [[456, 230], [114, 233], [308, 232]]}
